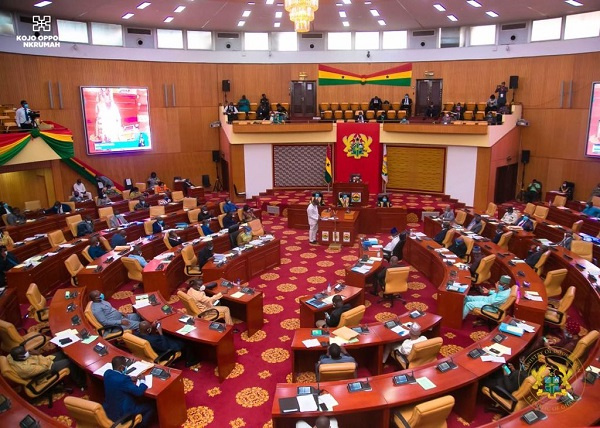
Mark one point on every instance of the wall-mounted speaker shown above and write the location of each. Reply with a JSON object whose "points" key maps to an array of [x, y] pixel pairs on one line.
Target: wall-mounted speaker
{"points": [[226, 85], [216, 156], [525, 156], [513, 82]]}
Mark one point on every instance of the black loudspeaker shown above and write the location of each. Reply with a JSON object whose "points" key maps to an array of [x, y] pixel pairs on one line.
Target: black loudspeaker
{"points": [[226, 85], [205, 180], [216, 155], [514, 82], [525, 156]]}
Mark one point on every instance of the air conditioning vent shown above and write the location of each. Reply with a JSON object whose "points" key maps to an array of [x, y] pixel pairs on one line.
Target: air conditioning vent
{"points": [[139, 31], [228, 35], [517, 26], [312, 36], [26, 19], [423, 33]]}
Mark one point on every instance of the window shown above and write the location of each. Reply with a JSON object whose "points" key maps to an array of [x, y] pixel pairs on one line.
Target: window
{"points": [[286, 41], [546, 29], [199, 40], [483, 35], [395, 40], [72, 31], [107, 34], [339, 41], [582, 25], [170, 39], [256, 41], [366, 40], [6, 24]]}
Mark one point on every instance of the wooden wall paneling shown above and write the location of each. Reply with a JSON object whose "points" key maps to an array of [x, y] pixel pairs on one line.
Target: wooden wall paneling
{"points": [[504, 152], [416, 168], [28, 185], [482, 178], [236, 169]]}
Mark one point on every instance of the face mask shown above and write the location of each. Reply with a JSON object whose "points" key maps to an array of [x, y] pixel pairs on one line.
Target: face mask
{"points": [[384, 200], [500, 288], [26, 105], [26, 355], [537, 248], [101, 296]]}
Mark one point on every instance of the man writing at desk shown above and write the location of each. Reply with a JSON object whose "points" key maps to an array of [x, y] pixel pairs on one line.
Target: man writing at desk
{"points": [[496, 296]]}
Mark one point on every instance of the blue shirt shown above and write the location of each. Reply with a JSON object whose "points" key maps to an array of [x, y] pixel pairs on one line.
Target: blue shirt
{"points": [[140, 259], [592, 211], [119, 393], [117, 240], [206, 229], [229, 207], [96, 251]]}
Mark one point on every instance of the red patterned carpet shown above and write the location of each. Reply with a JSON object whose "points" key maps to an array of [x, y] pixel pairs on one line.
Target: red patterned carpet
{"points": [[263, 360]]}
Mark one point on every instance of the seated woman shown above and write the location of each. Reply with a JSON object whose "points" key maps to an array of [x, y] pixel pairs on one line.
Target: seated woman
{"points": [[161, 188], [135, 193], [247, 214]]}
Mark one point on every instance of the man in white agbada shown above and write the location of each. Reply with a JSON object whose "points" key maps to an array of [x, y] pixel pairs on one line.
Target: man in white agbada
{"points": [[313, 221], [414, 336]]}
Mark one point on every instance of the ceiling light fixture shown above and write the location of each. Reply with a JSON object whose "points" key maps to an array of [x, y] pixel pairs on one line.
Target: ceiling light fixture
{"points": [[241, 23], [473, 3], [345, 23], [347, 1], [492, 14], [179, 9], [342, 14], [278, 14], [381, 22], [302, 13], [277, 24], [127, 16], [439, 7], [42, 3], [144, 5], [574, 3], [269, 1], [452, 18], [246, 13], [374, 12], [168, 19]]}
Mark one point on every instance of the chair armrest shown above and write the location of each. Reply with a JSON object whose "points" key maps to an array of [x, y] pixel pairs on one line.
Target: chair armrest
{"points": [[497, 390], [49, 376], [168, 355], [492, 312], [558, 313], [110, 330], [125, 419], [209, 315], [40, 313], [404, 421], [402, 357], [35, 336]]}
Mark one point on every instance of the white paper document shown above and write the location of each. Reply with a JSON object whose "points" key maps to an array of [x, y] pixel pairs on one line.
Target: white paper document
{"points": [[493, 359], [147, 380], [399, 330], [103, 369], [526, 327], [141, 304], [311, 343], [328, 400], [140, 367], [237, 295], [73, 338], [502, 350], [307, 403]]}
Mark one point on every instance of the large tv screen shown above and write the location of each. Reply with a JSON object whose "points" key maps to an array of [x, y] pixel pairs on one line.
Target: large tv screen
{"points": [[592, 146], [116, 119]]}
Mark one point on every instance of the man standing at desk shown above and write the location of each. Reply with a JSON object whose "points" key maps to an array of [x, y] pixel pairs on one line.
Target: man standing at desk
{"points": [[109, 316], [313, 221], [120, 392]]}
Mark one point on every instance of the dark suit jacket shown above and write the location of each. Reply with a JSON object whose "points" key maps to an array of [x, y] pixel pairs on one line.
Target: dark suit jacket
{"points": [[156, 227], [53, 210], [119, 394], [334, 316], [162, 344], [528, 225], [476, 228], [175, 242], [228, 222], [117, 240], [5, 264], [459, 249], [497, 237], [96, 251], [533, 258], [441, 235], [204, 255]]}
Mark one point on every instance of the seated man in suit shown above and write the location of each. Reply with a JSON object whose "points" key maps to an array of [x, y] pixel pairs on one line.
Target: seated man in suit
{"points": [[109, 316], [567, 240], [85, 227], [498, 234], [406, 105], [7, 262], [95, 249], [205, 254], [441, 235], [589, 210], [510, 216], [498, 295], [321, 422], [204, 214], [458, 247], [119, 239], [206, 227], [121, 394], [244, 236], [475, 226], [162, 344], [379, 280], [174, 240], [117, 220], [15, 217], [335, 354], [58, 208], [510, 382], [389, 247], [228, 220], [448, 214], [525, 222], [333, 319], [158, 226], [196, 292], [76, 197], [534, 255], [229, 207], [142, 204], [404, 348]]}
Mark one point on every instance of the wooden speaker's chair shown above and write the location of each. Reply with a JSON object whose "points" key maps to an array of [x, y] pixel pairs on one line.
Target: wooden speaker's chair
{"points": [[86, 254], [72, 222], [484, 270], [148, 227], [539, 266], [177, 195], [142, 349], [352, 317], [105, 212], [257, 227], [190, 203], [556, 314], [541, 212], [193, 215], [582, 349], [396, 282], [430, 414], [421, 353], [511, 402], [157, 210], [38, 303], [495, 314], [336, 371], [220, 218], [553, 282], [73, 265], [89, 414], [134, 268], [449, 238], [491, 209], [460, 217], [529, 209], [583, 249], [33, 205], [504, 240], [56, 238], [108, 332], [576, 228], [559, 201], [190, 260], [11, 338], [40, 385]]}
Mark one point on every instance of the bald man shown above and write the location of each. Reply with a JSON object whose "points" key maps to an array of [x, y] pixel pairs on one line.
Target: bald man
{"points": [[321, 422], [109, 316]]}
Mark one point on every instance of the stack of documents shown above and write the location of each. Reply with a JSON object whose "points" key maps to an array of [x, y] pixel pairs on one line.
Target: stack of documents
{"points": [[533, 295]]}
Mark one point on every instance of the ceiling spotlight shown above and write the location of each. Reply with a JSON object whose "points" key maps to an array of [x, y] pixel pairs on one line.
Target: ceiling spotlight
{"points": [[168, 19], [144, 5], [127, 16]]}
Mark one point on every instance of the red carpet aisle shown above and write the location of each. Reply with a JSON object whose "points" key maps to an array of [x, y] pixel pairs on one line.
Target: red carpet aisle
{"points": [[245, 399]]}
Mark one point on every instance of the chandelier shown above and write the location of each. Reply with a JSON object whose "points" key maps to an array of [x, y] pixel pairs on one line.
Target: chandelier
{"points": [[302, 13]]}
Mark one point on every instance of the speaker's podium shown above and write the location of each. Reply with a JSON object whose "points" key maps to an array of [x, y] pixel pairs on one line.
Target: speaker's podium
{"points": [[358, 193], [338, 227]]}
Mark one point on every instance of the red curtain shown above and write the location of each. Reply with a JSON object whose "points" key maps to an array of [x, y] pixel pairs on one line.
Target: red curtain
{"points": [[358, 151]]}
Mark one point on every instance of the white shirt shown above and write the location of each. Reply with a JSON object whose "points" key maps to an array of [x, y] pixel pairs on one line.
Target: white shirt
{"points": [[392, 244], [21, 117], [333, 423], [313, 213], [230, 110], [407, 345], [509, 218], [79, 187]]}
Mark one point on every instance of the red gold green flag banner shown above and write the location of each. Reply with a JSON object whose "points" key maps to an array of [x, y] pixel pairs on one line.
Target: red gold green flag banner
{"points": [[400, 75]]}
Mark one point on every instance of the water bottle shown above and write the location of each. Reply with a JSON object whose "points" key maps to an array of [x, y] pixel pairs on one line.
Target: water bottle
{"points": [[329, 288], [237, 283]]}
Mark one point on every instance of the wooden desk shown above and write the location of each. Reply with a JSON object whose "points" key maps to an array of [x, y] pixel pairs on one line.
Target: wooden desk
{"points": [[357, 279], [368, 352], [20, 408], [340, 228], [9, 307], [361, 188], [168, 394], [554, 232], [309, 315], [22, 250], [46, 224], [567, 217]]}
